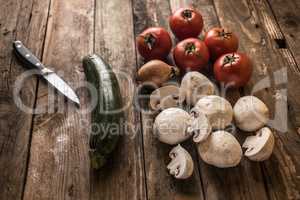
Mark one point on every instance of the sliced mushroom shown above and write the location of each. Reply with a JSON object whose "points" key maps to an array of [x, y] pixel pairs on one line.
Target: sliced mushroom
{"points": [[217, 109], [157, 72], [221, 149], [200, 127], [250, 113], [170, 126], [181, 165], [260, 146], [194, 86], [164, 97]]}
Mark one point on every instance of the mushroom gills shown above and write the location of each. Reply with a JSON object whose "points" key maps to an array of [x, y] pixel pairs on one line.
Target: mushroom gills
{"points": [[200, 127], [164, 97], [181, 165], [260, 146]]}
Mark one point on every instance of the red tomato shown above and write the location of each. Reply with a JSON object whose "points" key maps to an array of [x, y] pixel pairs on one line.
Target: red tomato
{"points": [[191, 55], [186, 23], [233, 69], [154, 43], [220, 41]]}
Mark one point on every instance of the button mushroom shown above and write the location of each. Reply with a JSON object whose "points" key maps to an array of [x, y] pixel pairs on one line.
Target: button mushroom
{"points": [[181, 165], [250, 113], [157, 72], [200, 128], [220, 149], [260, 146], [164, 97], [170, 126], [217, 109], [195, 85], [174, 125]]}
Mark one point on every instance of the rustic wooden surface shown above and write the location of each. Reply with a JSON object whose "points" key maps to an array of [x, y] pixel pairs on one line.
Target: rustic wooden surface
{"points": [[45, 156]]}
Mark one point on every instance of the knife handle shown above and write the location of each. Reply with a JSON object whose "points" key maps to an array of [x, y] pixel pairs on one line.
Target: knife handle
{"points": [[27, 56]]}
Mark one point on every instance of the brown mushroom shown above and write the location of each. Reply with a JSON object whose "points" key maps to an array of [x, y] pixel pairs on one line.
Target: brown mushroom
{"points": [[157, 72]]}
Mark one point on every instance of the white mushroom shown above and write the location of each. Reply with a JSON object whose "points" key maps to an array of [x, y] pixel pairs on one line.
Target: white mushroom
{"points": [[194, 86], [217, 109], [164, 97], [170, 126], [221, 149], [250, 113], [260, 146], [200, 127], [174, 125], [181, 165]]}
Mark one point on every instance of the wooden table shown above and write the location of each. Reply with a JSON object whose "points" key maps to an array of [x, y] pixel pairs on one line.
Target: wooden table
{"points": [[45, 155]]}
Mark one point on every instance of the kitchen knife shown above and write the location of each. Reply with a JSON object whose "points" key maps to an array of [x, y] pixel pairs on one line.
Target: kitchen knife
{"points": [[26, 57]]}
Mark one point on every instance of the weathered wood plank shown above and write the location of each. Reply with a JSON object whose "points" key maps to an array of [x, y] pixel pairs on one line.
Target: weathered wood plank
{"points": [[160, 184], [22, 20], [282, 179], [287, 15], [269, 22], [281, 172], [123, 178], [59, 161]]}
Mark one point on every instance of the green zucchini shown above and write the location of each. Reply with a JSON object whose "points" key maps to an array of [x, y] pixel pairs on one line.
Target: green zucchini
{"points": [[107, 115]]}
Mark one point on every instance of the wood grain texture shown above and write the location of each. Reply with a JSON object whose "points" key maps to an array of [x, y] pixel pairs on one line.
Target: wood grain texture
{"points": [[22, 20], [269, 83], [287, 15], [277, 38], [123, 178], [288, 148], [59, 161], [160, 184]]}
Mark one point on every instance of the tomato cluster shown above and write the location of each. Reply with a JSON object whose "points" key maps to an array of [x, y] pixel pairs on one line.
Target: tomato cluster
{"points": [[219, 46]]}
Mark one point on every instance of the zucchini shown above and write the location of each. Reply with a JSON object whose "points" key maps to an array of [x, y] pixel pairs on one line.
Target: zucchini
{"points": [[107, 115]]}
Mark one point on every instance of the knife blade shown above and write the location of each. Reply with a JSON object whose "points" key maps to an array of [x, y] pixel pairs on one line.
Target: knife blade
{"points": [[27, 57]]}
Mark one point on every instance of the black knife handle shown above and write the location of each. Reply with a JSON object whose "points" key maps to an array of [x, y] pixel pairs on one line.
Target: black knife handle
{"points": [[26, 56]]}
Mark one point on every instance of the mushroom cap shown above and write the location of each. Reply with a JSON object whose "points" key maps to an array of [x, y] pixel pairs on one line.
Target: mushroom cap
{"points": [[164, 97], [194, 86], [217, 109], [260, 146], [181, 165], [221, 149], [250, 113], [170, 126]]}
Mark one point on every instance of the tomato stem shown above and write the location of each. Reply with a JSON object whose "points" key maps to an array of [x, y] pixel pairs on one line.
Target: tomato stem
{"points": [[150, 40], [190, 48], [187, 14], [230, 59], [224, 34]]}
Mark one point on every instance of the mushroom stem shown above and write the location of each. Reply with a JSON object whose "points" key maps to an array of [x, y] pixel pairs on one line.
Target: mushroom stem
{"points": [[181, 165]]}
